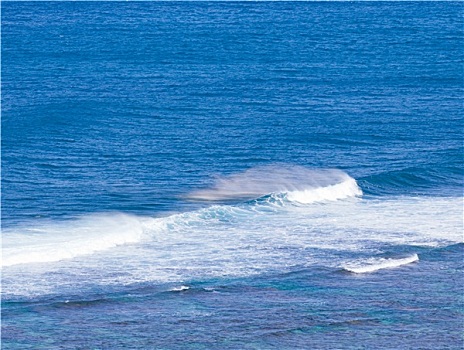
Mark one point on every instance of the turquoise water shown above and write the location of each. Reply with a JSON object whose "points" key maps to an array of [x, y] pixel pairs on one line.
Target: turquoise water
{"points": [[266, 175]]}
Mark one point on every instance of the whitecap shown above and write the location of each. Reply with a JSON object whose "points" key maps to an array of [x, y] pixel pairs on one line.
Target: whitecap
{"points": [[179, 289], [375, 264]]}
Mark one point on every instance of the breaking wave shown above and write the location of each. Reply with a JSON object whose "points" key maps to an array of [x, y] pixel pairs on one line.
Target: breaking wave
{"points": [[56, 241], [294, 183], [242, 238]]}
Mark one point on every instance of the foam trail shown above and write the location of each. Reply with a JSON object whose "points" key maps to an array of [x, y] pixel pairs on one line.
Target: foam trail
{"points": [[373, 265], [57, 241], [298, 184]]}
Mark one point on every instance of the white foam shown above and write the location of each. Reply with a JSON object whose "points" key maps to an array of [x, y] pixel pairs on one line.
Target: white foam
{"points": [[346, 189], [179, 289], [221, 240], [65, 240], [375, 264]]}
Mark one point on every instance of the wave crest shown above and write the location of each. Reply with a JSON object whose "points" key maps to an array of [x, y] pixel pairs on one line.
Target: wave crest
{"points": [[346, 189], [373, 265], [298, 184]]}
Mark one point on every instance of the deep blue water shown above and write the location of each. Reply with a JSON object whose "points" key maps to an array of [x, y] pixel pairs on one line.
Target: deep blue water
{"points": [[232, 175]]}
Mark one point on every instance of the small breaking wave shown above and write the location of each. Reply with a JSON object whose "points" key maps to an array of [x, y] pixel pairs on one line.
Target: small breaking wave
{"points": [[179, 289], [375, 264]]}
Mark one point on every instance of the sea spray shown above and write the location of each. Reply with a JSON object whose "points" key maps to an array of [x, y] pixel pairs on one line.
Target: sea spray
{"points": [[55, 241], [299, 184]]}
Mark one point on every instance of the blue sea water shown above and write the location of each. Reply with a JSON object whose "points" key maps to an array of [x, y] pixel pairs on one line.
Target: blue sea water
{"points": [[232, 175]]}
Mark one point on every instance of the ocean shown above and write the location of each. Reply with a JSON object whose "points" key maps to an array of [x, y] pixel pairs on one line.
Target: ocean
{"points": [[232, 175]]}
